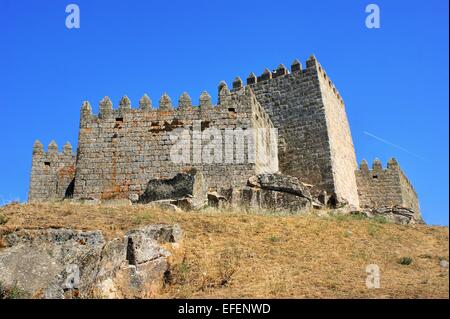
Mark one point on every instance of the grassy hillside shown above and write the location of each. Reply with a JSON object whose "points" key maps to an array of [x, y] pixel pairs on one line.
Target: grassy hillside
{"points": [[238, 254]]}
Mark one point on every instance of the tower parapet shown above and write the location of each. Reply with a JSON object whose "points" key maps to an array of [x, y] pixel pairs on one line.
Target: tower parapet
{"points": [[52, 172], [387, 186], [315, 140]]}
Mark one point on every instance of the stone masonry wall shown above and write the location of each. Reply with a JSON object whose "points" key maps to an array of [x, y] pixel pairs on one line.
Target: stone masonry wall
{"points": [[343, 157], [409, 195], [385, 187], [314, 137], [120, 150], [292, 102], [52, 172]]}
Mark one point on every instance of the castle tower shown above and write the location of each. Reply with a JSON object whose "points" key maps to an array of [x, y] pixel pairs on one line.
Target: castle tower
{"points": [[388, 186], [52, 172], [315, 143]]}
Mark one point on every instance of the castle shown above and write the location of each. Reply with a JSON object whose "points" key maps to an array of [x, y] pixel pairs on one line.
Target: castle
{"points": [[120, 150]]}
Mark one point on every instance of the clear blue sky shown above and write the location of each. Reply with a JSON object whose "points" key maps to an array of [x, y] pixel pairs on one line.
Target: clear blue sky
{"points": [[394, 80]]}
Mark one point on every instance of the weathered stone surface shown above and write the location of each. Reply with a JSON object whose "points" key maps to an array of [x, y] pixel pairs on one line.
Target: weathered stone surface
{"points": [[281, 183], [166, 204], [395, 214], [143, 244], [181, 186], [46, 263], [385, 187], [216, 200], [267, 199], [116, 202], [64, 263]]}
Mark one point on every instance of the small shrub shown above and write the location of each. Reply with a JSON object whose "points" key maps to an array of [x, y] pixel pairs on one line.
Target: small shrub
{"points": [[229, 261], [372, 229], [3, 219], [405, 261], [347, 233], [274, 239], [380, 219], [13, 292], [349, 217]]}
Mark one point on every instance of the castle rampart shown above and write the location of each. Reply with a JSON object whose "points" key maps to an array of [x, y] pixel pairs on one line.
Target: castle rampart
{"points": [[52, 173], [385, 187], [120, 150]]}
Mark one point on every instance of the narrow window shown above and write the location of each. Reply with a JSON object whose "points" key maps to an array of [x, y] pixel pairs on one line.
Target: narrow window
{"points": [[204, 125], [119, 122]]}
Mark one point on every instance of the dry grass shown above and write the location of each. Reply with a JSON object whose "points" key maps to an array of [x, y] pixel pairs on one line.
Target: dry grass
{"points": [[239, 255]]}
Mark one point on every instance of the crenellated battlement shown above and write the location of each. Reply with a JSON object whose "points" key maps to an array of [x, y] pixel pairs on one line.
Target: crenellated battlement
{"points": [[385, 186], [229, 103], [52, 150], [296, 70], [52, 172]]}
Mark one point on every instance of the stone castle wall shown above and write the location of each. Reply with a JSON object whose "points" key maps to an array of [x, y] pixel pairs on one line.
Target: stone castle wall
{"points": [[315, 143], [409, 195], [342, 151], [379, 187], [52, 173], [120, 150]]}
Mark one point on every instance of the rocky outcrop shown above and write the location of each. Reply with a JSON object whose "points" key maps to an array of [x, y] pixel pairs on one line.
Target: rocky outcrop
{"points": [[66, 263], [189, 188], [274, 192], [280, 183], [216, 200], [394, 214]]}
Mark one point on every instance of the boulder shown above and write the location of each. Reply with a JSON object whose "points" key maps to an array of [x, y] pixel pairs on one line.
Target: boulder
{"points": [[66, 263], [181, 186], [117, 202], [216, 200], [166, 204], [274, 201], [280, 183], [395, 214], [276, 192]]}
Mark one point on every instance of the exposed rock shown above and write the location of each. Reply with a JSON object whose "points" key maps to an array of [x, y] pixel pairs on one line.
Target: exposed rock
{"points": [[275, 201], [276, 192], [88, 201], [335, 201], [216, 200], [166, 204], [117, 202], [183, 185], [65, 263], [280, 183], [133, 198], [395, 214], [443, 263]]}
